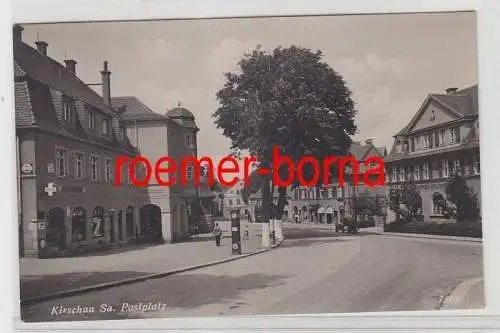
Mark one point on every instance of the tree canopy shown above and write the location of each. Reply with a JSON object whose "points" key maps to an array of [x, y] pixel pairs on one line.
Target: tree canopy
{"points": [[287, 98]]}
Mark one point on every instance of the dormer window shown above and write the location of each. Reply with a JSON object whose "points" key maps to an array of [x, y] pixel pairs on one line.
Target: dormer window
{"points": [[453, 136], [68, 112], [105, 127], [91, 120]]}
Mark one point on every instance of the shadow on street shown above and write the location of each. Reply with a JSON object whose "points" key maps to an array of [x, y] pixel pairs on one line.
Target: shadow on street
{"points": [[33, 286], [311, 242], [184, 291], [298, 233]]}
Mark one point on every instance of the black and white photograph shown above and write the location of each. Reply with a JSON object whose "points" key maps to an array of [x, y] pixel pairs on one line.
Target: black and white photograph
{"points": [[248, 166]]}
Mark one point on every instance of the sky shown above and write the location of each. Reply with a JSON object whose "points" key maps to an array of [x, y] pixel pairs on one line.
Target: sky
{"points": [[390, 62]]}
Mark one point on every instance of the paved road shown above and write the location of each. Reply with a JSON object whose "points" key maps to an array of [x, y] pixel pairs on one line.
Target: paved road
{"points": [[313, 272], [43, 276]]}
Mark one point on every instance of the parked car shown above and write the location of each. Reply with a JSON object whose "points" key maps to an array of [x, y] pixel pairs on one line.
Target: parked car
{"points": [[348, 225]]}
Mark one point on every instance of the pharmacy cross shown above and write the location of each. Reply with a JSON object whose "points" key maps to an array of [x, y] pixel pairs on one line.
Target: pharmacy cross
{"points": [[51, 189]]}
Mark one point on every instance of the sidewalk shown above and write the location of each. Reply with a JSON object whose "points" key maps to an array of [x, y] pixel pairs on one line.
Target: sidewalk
{"points": [[47, 276], [427, 236]]}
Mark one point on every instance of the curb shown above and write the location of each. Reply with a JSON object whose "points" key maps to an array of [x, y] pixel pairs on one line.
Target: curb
{"points": [[107, 285], [437, 237], [459, 294]]}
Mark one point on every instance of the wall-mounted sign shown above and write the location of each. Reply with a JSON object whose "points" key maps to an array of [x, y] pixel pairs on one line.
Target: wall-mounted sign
{"points": [[27, 168], [51, 168], [72, 189], [79, 211], [42, 225], [51, 189]]}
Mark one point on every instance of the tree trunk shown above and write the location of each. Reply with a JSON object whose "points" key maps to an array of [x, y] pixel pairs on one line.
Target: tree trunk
{"points": [[281, 202], [266, 198]]}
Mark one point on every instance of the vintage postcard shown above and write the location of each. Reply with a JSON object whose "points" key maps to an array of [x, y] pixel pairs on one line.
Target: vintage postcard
{"points": [[248, 166]]}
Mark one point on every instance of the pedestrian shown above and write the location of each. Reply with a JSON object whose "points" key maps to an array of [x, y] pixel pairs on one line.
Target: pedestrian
{"points": [[196, 232], [217, 233]]}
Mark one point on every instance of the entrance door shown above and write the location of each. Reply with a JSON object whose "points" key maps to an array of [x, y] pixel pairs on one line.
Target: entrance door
{"points": [[151, 222], [120, 225], [112, 238], [56, 230]]}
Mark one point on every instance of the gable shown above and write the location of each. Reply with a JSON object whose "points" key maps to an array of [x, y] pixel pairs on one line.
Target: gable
{"points": [[432, 114], [372, 152]]}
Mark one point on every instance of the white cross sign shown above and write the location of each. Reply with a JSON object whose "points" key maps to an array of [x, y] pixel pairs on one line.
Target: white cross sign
{"points": [[51, 189]]}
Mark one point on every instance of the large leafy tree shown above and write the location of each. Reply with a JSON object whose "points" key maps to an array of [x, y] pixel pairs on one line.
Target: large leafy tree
{"points": [[408, 195], [287, 98]]}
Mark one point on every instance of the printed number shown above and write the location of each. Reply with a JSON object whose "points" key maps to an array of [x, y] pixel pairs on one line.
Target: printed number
{"points": [[449, 300]]}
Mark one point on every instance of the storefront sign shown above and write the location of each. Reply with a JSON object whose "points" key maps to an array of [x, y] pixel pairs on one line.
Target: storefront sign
{"points": [[78, 212], [73, 189], [51, 168]]}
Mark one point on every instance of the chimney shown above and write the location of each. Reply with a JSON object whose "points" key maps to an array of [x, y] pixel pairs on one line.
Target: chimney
{"points": [[451, 91], [17, 32], [71, 66], [106, 93], [369, 141], [42, 47]]}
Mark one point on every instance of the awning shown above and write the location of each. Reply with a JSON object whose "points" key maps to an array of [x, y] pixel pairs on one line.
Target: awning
{"points": [[321, 210], [329, 210]]}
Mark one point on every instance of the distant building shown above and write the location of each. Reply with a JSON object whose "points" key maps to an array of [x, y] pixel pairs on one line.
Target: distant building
{"points": [[330, 203], [234, 200], [441, 139]]}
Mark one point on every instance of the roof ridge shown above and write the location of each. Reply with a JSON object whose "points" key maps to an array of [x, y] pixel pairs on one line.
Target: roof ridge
{"points": [[56, 75]]}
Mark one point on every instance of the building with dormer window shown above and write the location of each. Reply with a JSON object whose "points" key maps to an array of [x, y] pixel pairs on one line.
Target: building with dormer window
{"points": [[68, 137], [440, 140]]}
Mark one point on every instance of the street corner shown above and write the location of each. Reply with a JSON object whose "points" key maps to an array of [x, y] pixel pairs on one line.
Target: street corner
{"points": [[469, 294]]}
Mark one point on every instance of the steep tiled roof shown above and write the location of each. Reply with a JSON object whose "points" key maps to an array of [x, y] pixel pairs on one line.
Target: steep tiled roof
{"points": [[35, 78], [24, 111], [48, 71], [382, 151], [359, 151], [135, 109], [463, 102]]}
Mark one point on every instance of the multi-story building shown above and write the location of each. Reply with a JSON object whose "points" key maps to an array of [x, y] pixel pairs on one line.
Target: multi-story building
{"points": [[68, 138], [233, 200], [172, 135], [330, 203], [441, 139]]}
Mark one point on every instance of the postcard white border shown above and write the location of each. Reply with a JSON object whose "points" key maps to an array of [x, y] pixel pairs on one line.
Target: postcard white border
{"points": [[488, 11]]}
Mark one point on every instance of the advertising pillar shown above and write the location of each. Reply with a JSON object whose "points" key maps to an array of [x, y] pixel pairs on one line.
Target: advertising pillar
{"points": [[236, 232]]}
